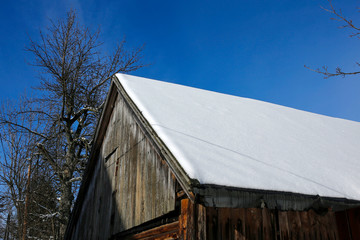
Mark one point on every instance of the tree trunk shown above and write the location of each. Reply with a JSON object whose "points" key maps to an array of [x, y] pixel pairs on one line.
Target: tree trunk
{"points": [[7, 228], [24, 235], [65, 201]]}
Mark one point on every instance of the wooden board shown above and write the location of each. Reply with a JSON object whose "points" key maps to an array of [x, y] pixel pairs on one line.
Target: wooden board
{"points": [[187, 220], [257, 223], [167, 231], [131, 183], [348, 223]]}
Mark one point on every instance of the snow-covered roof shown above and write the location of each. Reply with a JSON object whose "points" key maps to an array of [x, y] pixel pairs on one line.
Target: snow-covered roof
{"points": [[239, 142]]}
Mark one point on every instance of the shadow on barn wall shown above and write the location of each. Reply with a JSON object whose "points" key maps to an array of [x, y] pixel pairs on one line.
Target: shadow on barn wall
{"points": [[130, 184]]}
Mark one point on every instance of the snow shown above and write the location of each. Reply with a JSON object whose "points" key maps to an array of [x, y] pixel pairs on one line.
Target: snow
{"points": [[239, 142]]}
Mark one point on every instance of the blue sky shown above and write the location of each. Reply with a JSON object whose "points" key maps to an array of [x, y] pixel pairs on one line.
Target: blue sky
{"points": [[250, 48]]}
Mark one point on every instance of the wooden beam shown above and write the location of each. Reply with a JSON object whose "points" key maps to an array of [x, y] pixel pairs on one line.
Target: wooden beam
{"points": [[187, 220], [167, 231]]}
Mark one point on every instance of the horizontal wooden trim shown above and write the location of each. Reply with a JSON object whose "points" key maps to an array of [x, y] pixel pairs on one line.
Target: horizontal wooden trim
{"points": [[211, 195], [166, 231], [163, 220]]}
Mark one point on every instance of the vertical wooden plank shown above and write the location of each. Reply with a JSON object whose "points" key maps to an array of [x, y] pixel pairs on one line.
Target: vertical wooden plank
{"points": [[315, 231], [274, 223], [100, 197], [216, 223], [211, 228], [294, 224], [96, 197], [132, 173], [253, 221], [113, 208], [138, 185], [164, 187], [268, 225], [143, 172], [225, 223], [117, 223], [186, 220], [171, 190], [148, 183], [323, 227], [354, 222], [117, 129], [157, 185], [326, 227], [153, 183], [312, 223], [283, 225], [107, 195], [241, 224], [119, 183], [305, 225], [120, 203], [333, 227], [221, 222], [201, 222], [126, 194], [342, 225], [248, 224], [160, 186], [258, 223], [335, 234], [102, 200]]}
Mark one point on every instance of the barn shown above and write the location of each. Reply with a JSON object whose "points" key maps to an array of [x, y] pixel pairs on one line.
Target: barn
{"points": [[175, 162]]}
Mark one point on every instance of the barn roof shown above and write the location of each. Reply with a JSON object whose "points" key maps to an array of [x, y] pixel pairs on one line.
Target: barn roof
{"points": [[224, 140]]}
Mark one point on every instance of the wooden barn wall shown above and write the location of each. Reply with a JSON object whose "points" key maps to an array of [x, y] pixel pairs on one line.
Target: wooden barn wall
{"points": [[349, 223], [199, 222], [257, 223], [131, 183]]}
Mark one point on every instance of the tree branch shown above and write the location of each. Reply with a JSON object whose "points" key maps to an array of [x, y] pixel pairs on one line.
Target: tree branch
{"points": [[25, 128], [348, 24], [48, 157], [327, 74]]}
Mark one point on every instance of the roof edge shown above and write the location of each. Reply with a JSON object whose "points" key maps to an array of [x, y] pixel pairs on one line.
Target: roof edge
{"points": [[212, 195], [183, 178]]}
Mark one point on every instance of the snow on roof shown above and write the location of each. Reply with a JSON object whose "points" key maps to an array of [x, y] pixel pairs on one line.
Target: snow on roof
{"points": [[239, 142]]}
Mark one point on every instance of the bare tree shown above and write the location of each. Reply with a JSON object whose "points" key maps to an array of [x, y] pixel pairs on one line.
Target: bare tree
{"points": [[26, 183], [74, 80], [346, 23]]}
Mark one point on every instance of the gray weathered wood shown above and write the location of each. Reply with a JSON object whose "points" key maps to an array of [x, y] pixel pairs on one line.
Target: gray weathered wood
{"points": [[131, 182]]}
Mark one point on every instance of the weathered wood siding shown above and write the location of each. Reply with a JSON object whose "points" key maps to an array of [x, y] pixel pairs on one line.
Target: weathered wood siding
{"points": [[349, 223], [131, 183], [257, 223], [198, 222]]}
